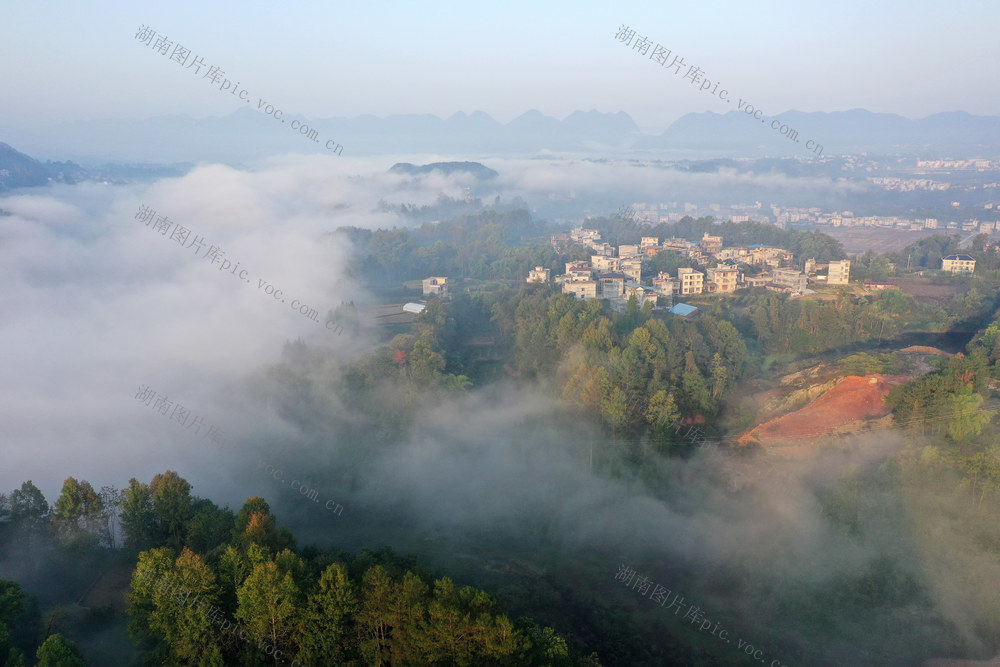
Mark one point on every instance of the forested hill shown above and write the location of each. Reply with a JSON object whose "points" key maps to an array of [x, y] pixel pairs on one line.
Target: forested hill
{"points": [[476, 169]]}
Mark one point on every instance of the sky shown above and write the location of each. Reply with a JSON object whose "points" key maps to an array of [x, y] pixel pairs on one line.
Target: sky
{"points": [[80, 61]]}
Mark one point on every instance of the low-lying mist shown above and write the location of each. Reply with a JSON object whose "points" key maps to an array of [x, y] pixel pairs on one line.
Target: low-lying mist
{"points": [[498, 483]]}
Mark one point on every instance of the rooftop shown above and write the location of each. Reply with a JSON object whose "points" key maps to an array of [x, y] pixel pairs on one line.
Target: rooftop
{"points": [[682, 309]]}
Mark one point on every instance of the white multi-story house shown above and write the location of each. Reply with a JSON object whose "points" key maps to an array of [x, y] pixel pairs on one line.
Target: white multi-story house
{"points": [[632, 268], [724, 278], [611, 286], [577, 271], [793, 279], [626, 250], [581, 289], [603, 263], [958, 264], [538, 275], [839, 272], [691, 281]]}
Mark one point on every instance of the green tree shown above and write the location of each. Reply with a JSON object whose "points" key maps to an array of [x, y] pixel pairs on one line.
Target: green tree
{"points": [[57, 651], [545, 647], [268, 605], [328, 619], [210, 527], [967, 419], [463, 627], [697, 399], [720, 376], [78, 515], [28, 507], [256, 525], [171, 508], [662, 412], [426, 362], [137, 515], [13, 603], [373, 623], [614, 409], [171, 598]]}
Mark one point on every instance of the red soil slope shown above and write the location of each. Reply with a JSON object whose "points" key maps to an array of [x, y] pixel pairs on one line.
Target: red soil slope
{"points": [[851, 399]]}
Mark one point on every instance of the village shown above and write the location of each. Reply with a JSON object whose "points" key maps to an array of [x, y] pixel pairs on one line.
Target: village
{"points": [[617, 273]]}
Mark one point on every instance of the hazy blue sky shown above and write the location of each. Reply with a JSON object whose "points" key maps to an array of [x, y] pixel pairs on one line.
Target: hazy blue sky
{"points": [[69, 60]]}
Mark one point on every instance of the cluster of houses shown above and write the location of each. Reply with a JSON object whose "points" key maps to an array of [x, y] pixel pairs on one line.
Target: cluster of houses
{"points": [[616, 273]]}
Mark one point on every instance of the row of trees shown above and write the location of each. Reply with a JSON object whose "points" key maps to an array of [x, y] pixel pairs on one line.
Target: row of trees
{"points": [[781, 324], [162, 512], [81, 517], [489, 245], [371, 610]]}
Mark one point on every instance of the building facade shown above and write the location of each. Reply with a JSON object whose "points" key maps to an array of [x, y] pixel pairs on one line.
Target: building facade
{"points": [[793, 279], [691, 281], [724, 278], [436, 286], [538, 275], [581, 289], [958, 264], [839, 272]]}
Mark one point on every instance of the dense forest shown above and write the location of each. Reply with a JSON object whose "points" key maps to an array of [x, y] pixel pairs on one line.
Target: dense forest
{"points": [[211, 587]]}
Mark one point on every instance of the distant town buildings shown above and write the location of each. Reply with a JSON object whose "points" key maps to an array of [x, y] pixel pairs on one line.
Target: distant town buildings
{"points": [[958, 264], [616, 273], [584, 236]]}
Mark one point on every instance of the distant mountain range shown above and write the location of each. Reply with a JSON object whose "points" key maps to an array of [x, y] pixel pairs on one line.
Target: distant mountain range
{"points": [[247, 135], [952, 134], [18, 170]]}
